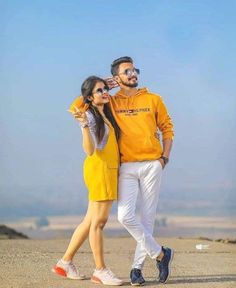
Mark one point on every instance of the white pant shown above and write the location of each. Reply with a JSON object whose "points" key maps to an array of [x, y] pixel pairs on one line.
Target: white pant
{"points": [[140, 179]]}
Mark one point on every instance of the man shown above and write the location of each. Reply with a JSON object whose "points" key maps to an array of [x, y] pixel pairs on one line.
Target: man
{"points": [[141, 115]]}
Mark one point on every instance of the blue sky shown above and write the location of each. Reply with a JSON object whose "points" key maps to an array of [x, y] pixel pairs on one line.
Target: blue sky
{"points": [[185, 51]]}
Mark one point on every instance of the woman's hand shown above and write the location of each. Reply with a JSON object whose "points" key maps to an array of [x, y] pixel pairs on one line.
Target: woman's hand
{"points": [[81, 117]]}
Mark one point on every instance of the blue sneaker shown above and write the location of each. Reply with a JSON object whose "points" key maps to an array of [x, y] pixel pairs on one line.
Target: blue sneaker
{"points": [[164, 264], [136, 277]]}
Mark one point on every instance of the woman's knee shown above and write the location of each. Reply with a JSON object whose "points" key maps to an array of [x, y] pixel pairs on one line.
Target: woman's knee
{"points": [[99, 223]]}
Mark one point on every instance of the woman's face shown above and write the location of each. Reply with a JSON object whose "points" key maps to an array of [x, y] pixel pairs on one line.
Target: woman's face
{"points": [[100, 95]]}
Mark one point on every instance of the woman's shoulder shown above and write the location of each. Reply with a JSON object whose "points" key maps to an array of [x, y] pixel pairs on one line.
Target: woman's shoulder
{"points": [[89, 114]]}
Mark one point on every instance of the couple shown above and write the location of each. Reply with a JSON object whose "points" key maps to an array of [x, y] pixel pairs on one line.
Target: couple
{"points": [[120, 138]]}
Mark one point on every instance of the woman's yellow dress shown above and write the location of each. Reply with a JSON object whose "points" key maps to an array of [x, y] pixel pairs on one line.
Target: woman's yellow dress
{"points": [[101, 170]]}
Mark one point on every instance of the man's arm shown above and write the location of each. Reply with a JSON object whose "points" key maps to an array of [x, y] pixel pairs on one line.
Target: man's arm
{"points": [[165, 125], [167, 145]]}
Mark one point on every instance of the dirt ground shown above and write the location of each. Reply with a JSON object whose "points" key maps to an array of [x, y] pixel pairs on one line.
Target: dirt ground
{"points": [[28, 263]]}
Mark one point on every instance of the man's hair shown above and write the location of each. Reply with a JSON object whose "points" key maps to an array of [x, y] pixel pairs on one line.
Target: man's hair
{"points": [[116, 63]]}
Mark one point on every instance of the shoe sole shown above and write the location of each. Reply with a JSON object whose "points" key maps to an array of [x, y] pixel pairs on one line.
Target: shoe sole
{"points": [[62, 273], [137, 284], [169, 266], [99, 281]]}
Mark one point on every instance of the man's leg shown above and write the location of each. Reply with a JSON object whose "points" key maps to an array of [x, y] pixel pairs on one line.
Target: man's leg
{"points": [[149, 188], [150, 180], [128, 191]]}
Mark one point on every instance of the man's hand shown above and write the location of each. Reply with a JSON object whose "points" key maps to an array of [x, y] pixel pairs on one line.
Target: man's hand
{"points": [[162, 162], [111, 82]]}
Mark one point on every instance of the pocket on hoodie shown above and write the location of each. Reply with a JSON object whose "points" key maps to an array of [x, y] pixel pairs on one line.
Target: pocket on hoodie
{"points": [[129, 146], [153, 144]]}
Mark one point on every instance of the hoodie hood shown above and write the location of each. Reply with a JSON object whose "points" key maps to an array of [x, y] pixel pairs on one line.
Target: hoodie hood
{"points": [[139, 92]]}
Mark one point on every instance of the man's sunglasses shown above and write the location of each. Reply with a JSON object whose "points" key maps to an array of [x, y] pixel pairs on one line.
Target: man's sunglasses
{"points": [[129, 72]]}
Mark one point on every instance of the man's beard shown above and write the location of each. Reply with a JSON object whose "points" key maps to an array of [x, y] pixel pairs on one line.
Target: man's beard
{"points": [[131, 85]]}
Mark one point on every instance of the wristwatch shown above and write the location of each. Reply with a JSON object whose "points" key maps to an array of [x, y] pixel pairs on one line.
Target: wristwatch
{"points": [[165, 159]]}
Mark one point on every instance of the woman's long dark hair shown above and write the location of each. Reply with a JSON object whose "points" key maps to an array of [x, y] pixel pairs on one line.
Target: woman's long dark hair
{"points": [[87, 90]]}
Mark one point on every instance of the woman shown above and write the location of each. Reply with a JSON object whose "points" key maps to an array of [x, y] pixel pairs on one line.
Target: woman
{"points": [[100, 133]]}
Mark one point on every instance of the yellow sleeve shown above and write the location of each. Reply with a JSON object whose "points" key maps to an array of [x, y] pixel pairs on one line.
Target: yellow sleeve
{"points": [[78, 103], [164, 121]]}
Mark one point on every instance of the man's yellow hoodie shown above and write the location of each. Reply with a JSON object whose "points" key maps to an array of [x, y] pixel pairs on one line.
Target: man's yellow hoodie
{"points": [[140, 118]]}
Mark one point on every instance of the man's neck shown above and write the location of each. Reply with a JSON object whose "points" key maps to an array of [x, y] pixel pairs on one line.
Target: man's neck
{"points": [[128, 91]]}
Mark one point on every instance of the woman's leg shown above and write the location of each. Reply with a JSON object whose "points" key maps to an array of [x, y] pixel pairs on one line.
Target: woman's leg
{"points": [[79, 236], [99, 216]]}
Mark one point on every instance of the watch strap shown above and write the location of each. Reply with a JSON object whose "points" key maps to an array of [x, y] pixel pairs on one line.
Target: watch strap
{"points": [[165, 159]]}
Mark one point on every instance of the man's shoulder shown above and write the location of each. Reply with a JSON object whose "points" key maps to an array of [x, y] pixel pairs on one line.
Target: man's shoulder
{"points": [[153, 95]]}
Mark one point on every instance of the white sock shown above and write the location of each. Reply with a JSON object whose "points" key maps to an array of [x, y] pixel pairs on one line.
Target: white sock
{"points": [[101, 269], [65, 262]]}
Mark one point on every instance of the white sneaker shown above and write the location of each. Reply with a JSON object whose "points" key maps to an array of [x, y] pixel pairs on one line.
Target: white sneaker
{"points": [[67, 270], [106, 277]]}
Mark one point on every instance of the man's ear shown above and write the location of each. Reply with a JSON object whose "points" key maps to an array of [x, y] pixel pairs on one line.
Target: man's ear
{"points": [[117, 78]]}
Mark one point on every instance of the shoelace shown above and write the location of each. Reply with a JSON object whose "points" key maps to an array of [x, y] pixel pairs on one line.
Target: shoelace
{"points": [[73, 267], [138, 272], [110, 273]]}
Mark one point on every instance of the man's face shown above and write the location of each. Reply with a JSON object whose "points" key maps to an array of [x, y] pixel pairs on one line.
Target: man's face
{"points": [[127, 75]]}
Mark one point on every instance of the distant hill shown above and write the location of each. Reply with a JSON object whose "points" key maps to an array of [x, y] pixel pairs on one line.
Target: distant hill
{"points": [[8, 233]]}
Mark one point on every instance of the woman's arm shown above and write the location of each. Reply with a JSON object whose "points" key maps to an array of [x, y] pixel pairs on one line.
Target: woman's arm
{"points": [[88, 139], [88, 143]]}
